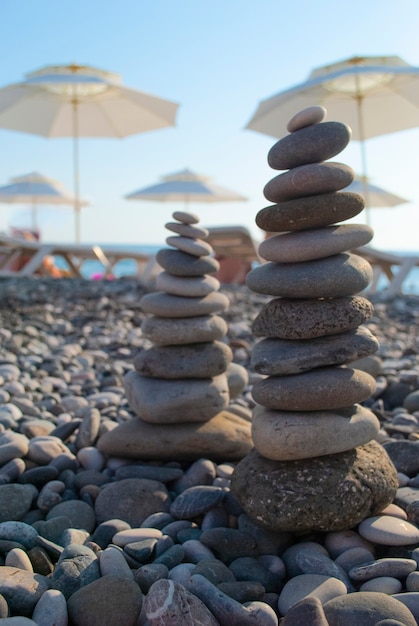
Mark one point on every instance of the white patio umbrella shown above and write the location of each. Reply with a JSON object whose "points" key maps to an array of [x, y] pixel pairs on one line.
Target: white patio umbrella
{"points": [[373, 95], [185, 186], [35, 189], [80, 101], [378, 197]]}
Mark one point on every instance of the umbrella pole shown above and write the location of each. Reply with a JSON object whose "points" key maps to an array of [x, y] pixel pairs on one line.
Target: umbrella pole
{"points": [[76, 170], [363, 155]]}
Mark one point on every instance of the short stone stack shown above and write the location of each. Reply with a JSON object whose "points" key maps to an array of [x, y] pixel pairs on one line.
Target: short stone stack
{"points": [[315, 466], [182, 385]]}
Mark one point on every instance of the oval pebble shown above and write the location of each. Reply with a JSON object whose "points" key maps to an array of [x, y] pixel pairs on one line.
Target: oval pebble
{"points": [[388, 530], [195, 501]]}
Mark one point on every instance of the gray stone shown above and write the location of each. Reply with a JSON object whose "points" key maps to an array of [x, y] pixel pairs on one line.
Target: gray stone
{"points": [[310, 212], [306, 117], [79, 513], [312, 144], [392, 566], [131, 500], [319, 586], [146, 575], [12, 445], [109, 600], [51, 608], [276, 357], [315, 390], [224, 437], [366, 608], [195, 501], [189, 286], [21, 589], [15, 501], [343, 274], [168, 603], [181, 330], [196, 247], [77, 566], [312, 244], [161, 401], [289, 495], [186, 217], [237, 379], [243, 590], [291, 319], [309, 610], [215, 571], [388, 530], [166, 305], [25, 534], [197, 360], [248, 568], [187, 230], [183, 264], [293, 435], [228, 543], [307, 180], [405, 456]]}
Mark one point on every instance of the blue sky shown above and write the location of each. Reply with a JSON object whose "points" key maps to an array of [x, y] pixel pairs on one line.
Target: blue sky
{"points": [[217, 59]]}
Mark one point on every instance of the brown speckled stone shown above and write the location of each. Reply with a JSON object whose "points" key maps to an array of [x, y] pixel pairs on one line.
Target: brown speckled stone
{"points": [[305, 319], [317, 243], [307, 180], [340, 275], [310, 212], [311, 144], [327, 493], [317, 389]]}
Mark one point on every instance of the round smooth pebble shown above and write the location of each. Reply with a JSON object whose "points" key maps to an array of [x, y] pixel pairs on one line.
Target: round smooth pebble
{"points": [[306, 117], [324, 588], [389, 531]]}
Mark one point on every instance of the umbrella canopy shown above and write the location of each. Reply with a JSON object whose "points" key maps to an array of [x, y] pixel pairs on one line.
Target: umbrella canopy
{"points": [[373, 95], [378, 196], [80, 101], [185, 186], [36, 189]]}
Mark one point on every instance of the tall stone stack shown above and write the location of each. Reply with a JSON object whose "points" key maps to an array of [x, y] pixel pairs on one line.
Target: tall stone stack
{"points": [[182, 384], [315, 465]]}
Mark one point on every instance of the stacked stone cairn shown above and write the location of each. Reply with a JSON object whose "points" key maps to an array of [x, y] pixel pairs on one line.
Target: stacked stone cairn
{"points": [[315, 465], [182, 384]]}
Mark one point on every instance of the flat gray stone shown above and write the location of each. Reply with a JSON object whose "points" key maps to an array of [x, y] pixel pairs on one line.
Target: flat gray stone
{"points": [[15, 501], [196, 247], [194, 287], [294, 319], [184, 264], [315, 390], [340, 275], [309, 585], [306, 117], [367, 608], [318, 243], [184, 330], [310, 212], [224, 437], [309, 610], [22, 589], [186, 217], [187, 230], [166, 305], [161, 401], [169, 603], [286, 436], [276, 357], [396, 567], [307, 180], [289, 495], [198, 360], [312, 144], [389, 531]]}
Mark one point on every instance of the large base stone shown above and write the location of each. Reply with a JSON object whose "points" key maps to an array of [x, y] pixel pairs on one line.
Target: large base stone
{"points": [[328, 493], [225, 437]]}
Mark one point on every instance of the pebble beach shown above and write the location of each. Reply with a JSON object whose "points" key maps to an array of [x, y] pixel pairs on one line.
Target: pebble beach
{"points": [[88, 538]]}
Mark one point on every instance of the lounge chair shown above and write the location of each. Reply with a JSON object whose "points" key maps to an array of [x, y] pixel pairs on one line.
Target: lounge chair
{"points": [[21, 257], [394, 268], [236, 251]]}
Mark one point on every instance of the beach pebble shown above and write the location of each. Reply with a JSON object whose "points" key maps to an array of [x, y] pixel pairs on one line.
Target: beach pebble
{"points": [[291, 319], [388, 531], [195, 501], [131, 500], [323, 587], [367, 608], [394, 567], [305, 180], [189, 286], [311, 144], [22, 589], [309, 610], [306, 117], [168, 603], [51, 609], [310, 212], [187, 230], [196, 247], [12, 445], [113, 563], [77, 566], [181, 263], [167, 305], [79, 514], [15, 501], [343, 274], [177, 331], [108, 600], [382, 584]]}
